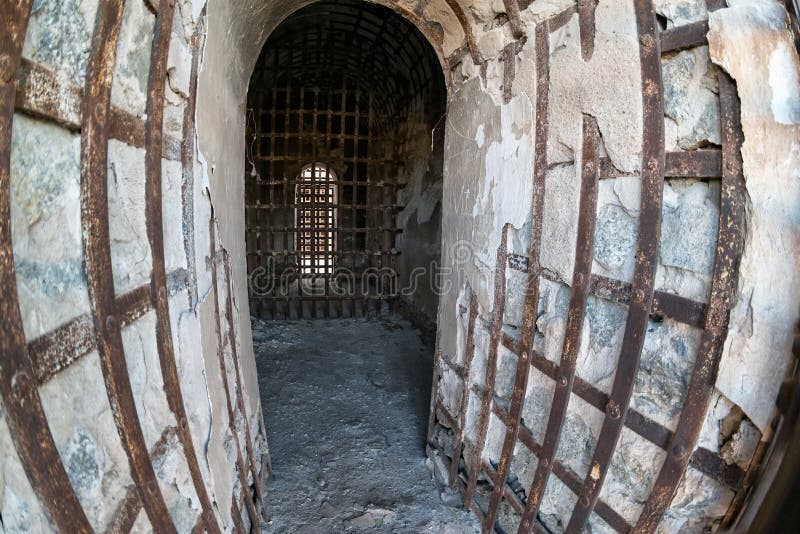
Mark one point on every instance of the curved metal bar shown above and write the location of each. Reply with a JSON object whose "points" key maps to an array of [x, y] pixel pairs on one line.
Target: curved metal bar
{"points": [[97, 251], [723, 289], [25, 415], [653, 162], [155, 233]]}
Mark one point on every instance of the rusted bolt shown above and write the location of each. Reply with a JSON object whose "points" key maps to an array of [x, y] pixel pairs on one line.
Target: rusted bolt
{"points": [[646, 41], [585, 501], [524, 355], [612, 409], [111, 324], [579, 278], [562, 381], [589, 167], [545, 462], [679, 450], [99, 111], [162, 294], [6, 69]]}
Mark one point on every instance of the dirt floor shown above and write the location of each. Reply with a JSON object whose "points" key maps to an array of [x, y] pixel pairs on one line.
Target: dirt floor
{"points": [[346, 409]]}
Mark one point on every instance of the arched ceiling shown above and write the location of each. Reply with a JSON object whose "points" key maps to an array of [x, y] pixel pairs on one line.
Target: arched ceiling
{"points": [[366, 45]]}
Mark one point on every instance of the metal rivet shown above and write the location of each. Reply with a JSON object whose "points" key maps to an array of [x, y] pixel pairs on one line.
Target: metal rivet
{"points": [[99, 111], [612, 409], [162, 293], [111, 323], [562, 381], [679, 450], [585, 500], [524, 355], [6, 70]]}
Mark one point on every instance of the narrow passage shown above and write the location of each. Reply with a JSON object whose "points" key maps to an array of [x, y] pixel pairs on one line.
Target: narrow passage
{"points": [[346, 404]]}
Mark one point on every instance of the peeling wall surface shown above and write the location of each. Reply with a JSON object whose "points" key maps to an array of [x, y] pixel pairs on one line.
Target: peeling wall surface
{"points": [[619, 246]]}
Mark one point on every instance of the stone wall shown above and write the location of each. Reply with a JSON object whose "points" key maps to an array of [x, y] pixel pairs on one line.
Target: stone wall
{"points": [[601, 182], [129, 393]]}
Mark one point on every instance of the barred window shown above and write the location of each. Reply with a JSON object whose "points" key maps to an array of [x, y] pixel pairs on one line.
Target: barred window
{"points": [[315, 213]]}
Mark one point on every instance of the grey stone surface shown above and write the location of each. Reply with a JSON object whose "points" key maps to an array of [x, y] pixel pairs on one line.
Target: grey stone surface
{"points": [[690, 97], [59, 35], [81, 422], [670, 349], [46, 224], [130, 249], [132, 68]]}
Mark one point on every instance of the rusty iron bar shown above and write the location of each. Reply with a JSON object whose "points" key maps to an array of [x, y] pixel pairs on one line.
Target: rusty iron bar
{"points": [[42, 94], [469, 36], [723, 291], [469, 355], [495, 337], [705, 163], [645, 271], [565, 474], [97, 253], [704, 460], [240, 397], [27, 421], [685, 36], [513, 13], [586, 9], [214, 258], [532, 279], [159, 296], [131, 505], [581, 283]]}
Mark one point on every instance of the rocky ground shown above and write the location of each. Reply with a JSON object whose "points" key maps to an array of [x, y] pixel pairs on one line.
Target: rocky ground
{"points": [[346, 408]]}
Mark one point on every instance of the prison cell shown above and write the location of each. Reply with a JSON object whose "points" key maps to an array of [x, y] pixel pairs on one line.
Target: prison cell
{"points": [[324, 167]]}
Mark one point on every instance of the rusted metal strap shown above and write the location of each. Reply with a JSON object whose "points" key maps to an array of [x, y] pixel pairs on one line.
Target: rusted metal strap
{"points": [[27, 421], [469, 354], [581, 283], [532, 279], [58, 349], [236, 514], [706, 163], [500, 487], [723, 289], [131, 505], [97, 252], [159, 294], [42, 94], [495, 337], [665, 305], [240, 467], [685, 36], [645, 271], [586, 9], [512, 11], [465, 25], [251, 459], [565, 474], [708, 462]]}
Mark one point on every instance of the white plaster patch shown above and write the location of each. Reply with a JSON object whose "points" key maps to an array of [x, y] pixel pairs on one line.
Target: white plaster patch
{"points": [[480, 137], [742, 40], [785, 83]]}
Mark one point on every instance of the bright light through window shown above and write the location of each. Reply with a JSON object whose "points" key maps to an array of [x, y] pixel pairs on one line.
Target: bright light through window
{"points": [[315, 213]]}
